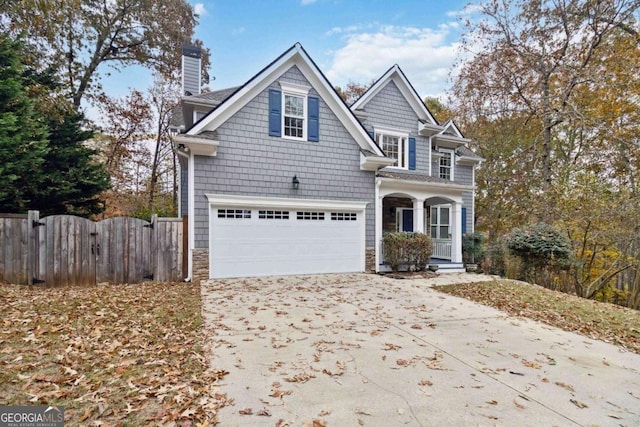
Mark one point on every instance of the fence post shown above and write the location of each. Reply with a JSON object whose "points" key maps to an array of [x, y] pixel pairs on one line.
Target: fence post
{"points": [[33, 251], [154, 246]]}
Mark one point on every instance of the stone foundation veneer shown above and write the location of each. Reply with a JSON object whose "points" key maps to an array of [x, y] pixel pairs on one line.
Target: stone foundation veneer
{"points": [[200, 265], [370, 260]]}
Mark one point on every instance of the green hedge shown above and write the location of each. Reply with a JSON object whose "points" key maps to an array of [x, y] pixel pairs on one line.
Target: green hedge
{"points": [[407, 250]]}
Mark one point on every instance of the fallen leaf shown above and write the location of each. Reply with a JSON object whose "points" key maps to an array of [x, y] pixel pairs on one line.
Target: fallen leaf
{"points": [[264, 412], [492, 402], [246, 411], [578, 403], [425, 382], [565, 386]]}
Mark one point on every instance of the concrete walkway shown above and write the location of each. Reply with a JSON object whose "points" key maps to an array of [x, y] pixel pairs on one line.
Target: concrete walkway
{"points": [[350, 350]]}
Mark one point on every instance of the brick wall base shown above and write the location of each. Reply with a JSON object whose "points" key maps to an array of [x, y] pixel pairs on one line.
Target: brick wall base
{"points": [[370, 260], [200, 265]]}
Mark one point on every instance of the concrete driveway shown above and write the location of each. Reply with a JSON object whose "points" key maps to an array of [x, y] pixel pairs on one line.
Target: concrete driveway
{"points": [[350, 350]]}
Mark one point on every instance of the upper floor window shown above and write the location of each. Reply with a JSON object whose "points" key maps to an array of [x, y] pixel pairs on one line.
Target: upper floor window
{"points": [[294, 113], [294, 116], [395, 146], [446, 165]]}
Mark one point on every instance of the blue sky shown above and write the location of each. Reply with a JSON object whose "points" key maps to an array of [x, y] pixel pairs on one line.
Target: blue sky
{"points": [[349, 39]]}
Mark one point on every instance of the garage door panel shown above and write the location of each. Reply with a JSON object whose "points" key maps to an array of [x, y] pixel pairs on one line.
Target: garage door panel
{"points": [[257, 246]]}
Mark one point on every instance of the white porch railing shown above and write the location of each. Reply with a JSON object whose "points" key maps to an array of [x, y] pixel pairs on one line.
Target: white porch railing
{"points": [[441, 249]]}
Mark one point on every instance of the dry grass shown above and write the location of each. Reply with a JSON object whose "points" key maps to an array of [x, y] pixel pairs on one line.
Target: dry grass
{"points": [[610, 323], [111, 355]]}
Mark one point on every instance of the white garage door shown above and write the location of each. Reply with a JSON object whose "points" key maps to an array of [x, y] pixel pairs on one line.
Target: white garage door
{"points": [[250, 241]]}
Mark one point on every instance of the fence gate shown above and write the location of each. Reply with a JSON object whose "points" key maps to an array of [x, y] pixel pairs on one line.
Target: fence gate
{"points": [[62, 250], [67, 250], [123, 250]]}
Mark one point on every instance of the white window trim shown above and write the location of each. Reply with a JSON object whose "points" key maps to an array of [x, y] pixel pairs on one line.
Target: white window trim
{"points": [[400, 134], [438, 224], [452, 157], [299, 91], [195, 115]]}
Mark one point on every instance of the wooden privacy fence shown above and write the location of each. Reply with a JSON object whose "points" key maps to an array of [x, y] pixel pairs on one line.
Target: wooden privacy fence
{"points": [[63, 250]]}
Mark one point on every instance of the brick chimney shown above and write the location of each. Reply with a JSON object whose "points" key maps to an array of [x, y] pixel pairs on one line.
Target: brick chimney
{"points": [[191, 70]]}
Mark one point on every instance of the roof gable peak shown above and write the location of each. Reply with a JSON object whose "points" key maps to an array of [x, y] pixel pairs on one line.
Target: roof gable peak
{"points": [[396, 75]]}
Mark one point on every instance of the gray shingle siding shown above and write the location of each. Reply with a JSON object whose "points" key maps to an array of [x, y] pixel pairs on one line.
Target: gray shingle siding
{"points": [[389, 109], [191, 75], [463, 174], [250, 162], [467, 202]]}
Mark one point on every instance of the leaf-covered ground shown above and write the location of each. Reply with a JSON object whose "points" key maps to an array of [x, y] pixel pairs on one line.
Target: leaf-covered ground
{"points": [[111, 355], [607, 322]]}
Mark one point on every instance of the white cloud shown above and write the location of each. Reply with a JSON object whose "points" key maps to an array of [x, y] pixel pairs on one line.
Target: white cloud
{"points": [[424, 54], [238, 31], [341, 30], [470, 9], [199, 9], [306, 2]]}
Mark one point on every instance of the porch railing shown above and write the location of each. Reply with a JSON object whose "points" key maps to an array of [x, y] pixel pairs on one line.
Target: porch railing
{"points": [[441, 249]]}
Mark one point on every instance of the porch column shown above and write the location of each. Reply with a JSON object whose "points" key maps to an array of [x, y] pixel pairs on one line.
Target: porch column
{"points": [[378, 226], [418, 215], [456, 232]]}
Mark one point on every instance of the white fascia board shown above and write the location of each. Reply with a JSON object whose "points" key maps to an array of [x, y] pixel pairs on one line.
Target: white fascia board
{"points": [[196, 100], [244, 94], [449, 141], [198, 146], [283, 202], [374, 163], [296, 56], [468, 161], [337, 106], [442, 187]]}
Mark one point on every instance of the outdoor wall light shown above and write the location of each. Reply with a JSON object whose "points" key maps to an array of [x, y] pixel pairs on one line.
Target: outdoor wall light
{"points": [[295, 183]]}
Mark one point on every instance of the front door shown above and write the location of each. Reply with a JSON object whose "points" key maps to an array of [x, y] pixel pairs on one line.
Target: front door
{"points": [[407, 220]]}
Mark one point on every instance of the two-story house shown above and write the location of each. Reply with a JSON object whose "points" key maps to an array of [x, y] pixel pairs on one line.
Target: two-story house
{"points": [[280, 176]]}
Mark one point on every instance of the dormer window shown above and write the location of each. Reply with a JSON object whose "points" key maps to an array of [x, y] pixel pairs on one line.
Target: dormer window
{"points": [[395, 146], [446, 165]]}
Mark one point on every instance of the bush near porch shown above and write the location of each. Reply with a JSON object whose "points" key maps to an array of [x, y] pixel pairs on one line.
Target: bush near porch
{"points": [[407, 250]]}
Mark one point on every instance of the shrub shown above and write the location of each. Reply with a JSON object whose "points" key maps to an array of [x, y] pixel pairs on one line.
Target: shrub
{"points": [[539, 247], [409, 250], [473, 248]]}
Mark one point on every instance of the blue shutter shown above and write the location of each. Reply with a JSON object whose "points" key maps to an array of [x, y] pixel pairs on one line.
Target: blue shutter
{"points": [[412, 154], [275, 112], [313, 117], [464, 220], [372, 135]]}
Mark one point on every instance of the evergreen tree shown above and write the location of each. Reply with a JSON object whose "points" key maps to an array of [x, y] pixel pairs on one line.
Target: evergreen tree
{"points": [[44, 163], [23, 132], [72, 178]]}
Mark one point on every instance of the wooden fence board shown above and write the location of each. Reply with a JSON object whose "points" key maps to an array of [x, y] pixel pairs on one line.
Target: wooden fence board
{"points": [[64, 250]]}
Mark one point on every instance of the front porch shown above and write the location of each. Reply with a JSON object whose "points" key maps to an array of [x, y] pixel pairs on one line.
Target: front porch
{"points": [[437, 212]]}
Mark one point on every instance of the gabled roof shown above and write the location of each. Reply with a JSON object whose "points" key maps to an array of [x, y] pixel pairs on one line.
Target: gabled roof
{"points": [[213, 98], [396, 75], [296, 55], [451, 129]]}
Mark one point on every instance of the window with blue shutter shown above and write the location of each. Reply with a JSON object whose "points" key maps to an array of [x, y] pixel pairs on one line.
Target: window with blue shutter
{"points": [[313, 117], [412, 154], [275, 112], [464, 220]]}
